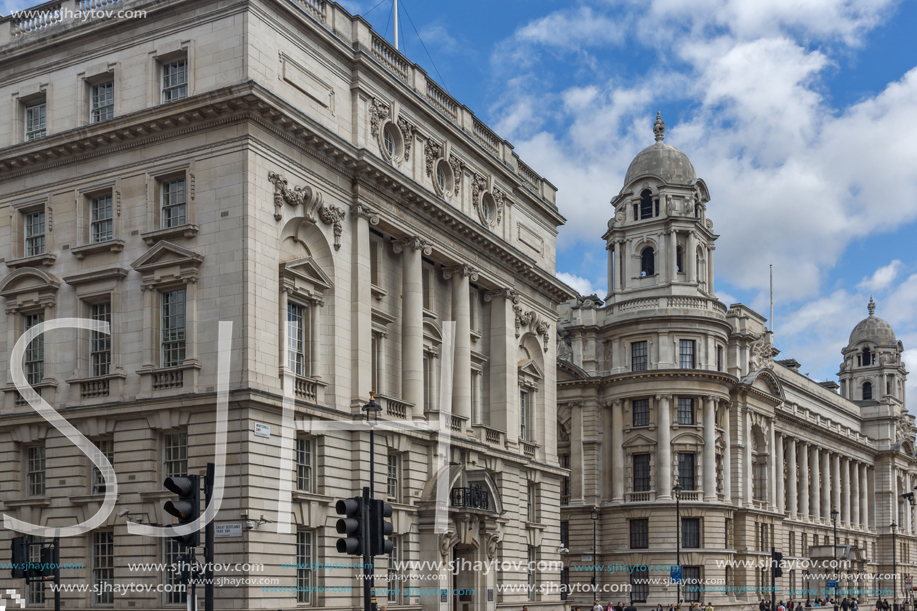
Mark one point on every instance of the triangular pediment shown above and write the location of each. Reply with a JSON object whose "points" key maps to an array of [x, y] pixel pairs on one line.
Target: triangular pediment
{"points": [[28, 279], [530, 367], [165, 254], [639, 440], [308, 270]]}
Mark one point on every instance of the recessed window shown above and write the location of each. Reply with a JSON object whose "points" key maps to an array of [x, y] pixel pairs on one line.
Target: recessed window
{"points": [[641, 412], [524, 430], [646, 204], [305, 560], [690, 533], [100, 343], [488, 207], [107, 448], [867, 391], [103, 566], [639, 533], [393, 477], [679, 259], [394, 572], [35, 233], [441, 177], [36, 588], [639, 585], [172, 201], [35, 121], [35, 471], [641, 472], [304, 458], [686, 470], [175, 455], [685, 410], [101, 228], [686, 353], [175, 80], [296, 338], [173, 553], [445, 179], [530, 500], [173, 328], [719, 358], [102, 102], [868, 358], [647, 262], [638, 356], [392, 142], [35, 351], [691, 588]]}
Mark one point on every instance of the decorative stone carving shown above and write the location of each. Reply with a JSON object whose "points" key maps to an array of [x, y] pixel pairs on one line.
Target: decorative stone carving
{"points": [[532, 320], [493, 541], [379, 112], [366, 212], [763, 352], [332, 215], [446, 541], [659, 127], [510, 294], [306, 196], [478, 186], [467, 271], [458, 170], [564, 347], [432, 152], [414, 243], [407, 132]]}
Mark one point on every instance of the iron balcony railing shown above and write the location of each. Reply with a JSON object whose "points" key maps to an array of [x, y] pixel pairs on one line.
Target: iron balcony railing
{"points": [[474, 497]]}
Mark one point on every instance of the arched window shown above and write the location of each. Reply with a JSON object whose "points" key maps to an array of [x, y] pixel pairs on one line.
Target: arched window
{"points": [[646, 204], [680, 259], [648, 258], [867, 391], [867, 357]]}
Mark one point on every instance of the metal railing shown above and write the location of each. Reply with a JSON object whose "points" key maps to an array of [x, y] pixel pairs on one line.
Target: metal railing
{"points": [[474, 497]]}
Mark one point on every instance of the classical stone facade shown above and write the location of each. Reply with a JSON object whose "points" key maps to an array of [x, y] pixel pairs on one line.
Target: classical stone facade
{"points": [[278, 165], [662, 383]]}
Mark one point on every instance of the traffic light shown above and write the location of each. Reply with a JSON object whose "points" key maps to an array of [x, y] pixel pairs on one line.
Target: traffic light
{"points": [[379, 528], [47, 562], [182, 572], [776, 559], [20, 556], [188, 506], [353, 526]]}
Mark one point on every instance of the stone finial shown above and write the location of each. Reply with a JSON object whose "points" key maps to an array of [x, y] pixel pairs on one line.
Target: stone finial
{"points": [[871, 307], [659, 127]]}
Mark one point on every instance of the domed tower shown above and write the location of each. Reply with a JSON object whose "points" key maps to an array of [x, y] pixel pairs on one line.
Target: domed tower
{"points": [[872, 369], [659, 240]]}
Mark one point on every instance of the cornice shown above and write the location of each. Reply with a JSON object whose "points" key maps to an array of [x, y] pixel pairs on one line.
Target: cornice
{"points": [[715, 376]]}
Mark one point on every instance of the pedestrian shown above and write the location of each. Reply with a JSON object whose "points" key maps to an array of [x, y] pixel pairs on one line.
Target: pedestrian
{"points": [[597, 607], [630, 607], [781, 606], [708, 607], [659, 607]]}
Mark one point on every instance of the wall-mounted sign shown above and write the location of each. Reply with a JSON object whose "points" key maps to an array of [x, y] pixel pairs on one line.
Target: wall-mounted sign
{"points": [[262, 430]]}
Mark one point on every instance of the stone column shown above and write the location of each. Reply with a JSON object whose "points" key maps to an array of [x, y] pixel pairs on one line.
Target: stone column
{"points": [[619, 266], [781, 501], [792, 494], [804, 477], [772, 484], [504, 385], [710, 450], [896, 501], [710, 250], [315, 338], [814, 470], [361, 306], [461, 376], [727, 454], [826, 485], [577, 462], [749, 495], [625, 262], [611, 267], [617, 449], [664, 448], [412, 319], [836, 483], [845, 492], [691, 257], [672, 255], [855, 494], [864, 498]]}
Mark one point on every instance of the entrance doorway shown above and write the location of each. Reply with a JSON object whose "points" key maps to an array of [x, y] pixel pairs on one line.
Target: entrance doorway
{"points": [[463, 578]]}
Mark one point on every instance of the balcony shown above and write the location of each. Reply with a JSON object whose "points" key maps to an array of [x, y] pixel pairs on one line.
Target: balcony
{"points": [[474, 497], [489, 435], [691, 495], [640, 497], [528, 448], [395, 408]]}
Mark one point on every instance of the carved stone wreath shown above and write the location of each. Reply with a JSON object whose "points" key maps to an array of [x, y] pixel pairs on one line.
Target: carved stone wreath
{"points": [[311, 201]]}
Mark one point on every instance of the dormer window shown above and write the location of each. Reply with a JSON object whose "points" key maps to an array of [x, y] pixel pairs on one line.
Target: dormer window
{"points": [[648, 262]]}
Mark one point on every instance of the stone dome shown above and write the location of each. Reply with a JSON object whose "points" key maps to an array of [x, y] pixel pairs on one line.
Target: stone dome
{"points": [[872, 329], [662, 160]]}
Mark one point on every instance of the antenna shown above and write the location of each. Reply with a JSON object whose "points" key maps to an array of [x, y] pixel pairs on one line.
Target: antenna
{"points": [[396, 25], [772, 292]]}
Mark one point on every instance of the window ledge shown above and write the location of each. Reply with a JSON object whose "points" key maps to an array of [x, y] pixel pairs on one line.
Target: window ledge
{"points": [[534, 525], [34, 501], [187, 230], [80, 252], [475, 336], [156, 495], [46, 259], [302, 495], [428, 314], [45, 383], [110, 376], [378, 292], [85, 499]]}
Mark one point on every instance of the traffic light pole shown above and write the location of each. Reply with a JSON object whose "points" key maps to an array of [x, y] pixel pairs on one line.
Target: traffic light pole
{"points": [[367, 558], [773, 581], [193, 601], [56, 573], [209, 534]]}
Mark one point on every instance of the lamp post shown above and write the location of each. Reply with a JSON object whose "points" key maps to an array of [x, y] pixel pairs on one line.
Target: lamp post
{"points": [[676, 491], [595, 518], [894, 569], [834, 514], [372, 410]]}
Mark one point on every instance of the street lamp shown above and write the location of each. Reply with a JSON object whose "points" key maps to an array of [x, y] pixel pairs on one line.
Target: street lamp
{"points": [[676, 491], [834, 514], [909, 497], [894, 569], [595, 517]]}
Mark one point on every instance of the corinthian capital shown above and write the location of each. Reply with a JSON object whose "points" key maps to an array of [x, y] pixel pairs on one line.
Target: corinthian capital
{"points": [[467, 271], [366, 212], [414, 243]]}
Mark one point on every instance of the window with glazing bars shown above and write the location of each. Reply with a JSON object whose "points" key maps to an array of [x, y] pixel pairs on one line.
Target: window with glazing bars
{"points": [[103, 102], [35, 233], [394, 583], [36, 588], [296, 338], [531, 557], [173, 328], [175, 455], [107, 448], [641, 472], [690, 533], [565, 481], [100, 343], [686, 470], [174, 80], [640, 533], [100, 221], [304, 464], [530, 500], [393, 476], [35, 351], [641, 412], [35, 117], [305, 559], [686, 353], [173, 555], [524, 415], [639, 585], [691, 588], [685, 410], [719, 358], [565, 533], [638, 356], [103, 566], [172, 195], [35, 471]]}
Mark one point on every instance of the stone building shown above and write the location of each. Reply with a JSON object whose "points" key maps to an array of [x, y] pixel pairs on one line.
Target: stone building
{"points": [[662, 383], [279, 165]]}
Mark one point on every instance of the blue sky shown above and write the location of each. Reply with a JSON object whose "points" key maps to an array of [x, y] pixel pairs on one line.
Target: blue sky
{"points": [[800, 115]]}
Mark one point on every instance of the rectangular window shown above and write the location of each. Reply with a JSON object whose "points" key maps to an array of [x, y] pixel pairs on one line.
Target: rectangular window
{"points": [[690, 533], [36, 588], [685, 410], [305, 559], [719, 358], [296, 338], [35, 471], [172, 557], [532, 561], [638, 356], [394, 583], [641, 412], [35, 351], [35, 121], [426, 280], [530, 502], [304, 464], [639, 585], [686, 470], [565, 481], [691, 577], [102, 104], [175, 80], [172, 200], [107, 447], [641, 472], [35, 233], [640, 533], [173, 328], [175, 455], [759, 479], [686, 353], [524, 431], [103, 566], [565, 533], [427, 381], [100, 343], [393, 477], [101, 228], [374, 248]]}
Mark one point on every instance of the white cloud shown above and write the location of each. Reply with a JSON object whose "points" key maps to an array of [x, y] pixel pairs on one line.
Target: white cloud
{"points": [[882, 277], [572, 28], [581, 285]]}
